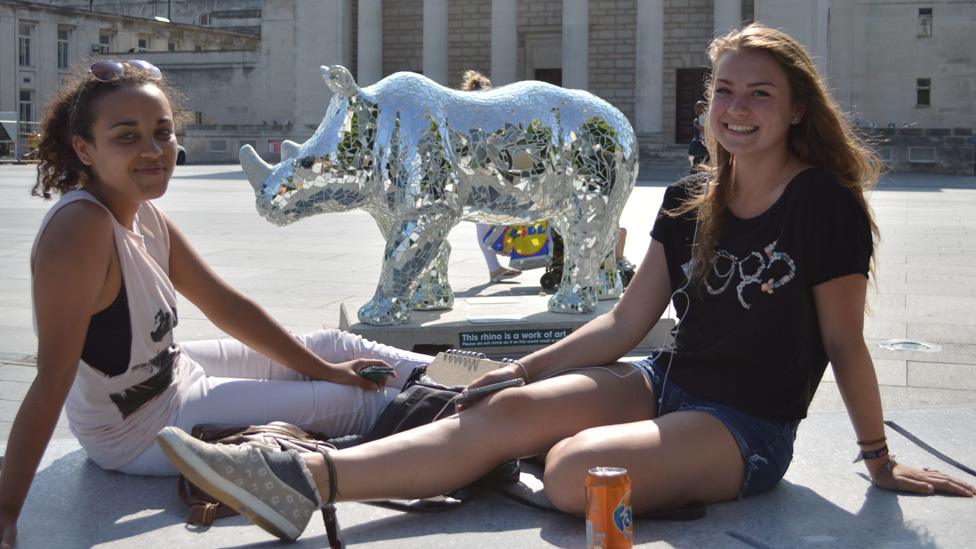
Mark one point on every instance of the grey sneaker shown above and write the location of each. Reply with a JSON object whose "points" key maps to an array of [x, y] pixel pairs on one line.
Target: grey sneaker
{"points": [[272, 488]]}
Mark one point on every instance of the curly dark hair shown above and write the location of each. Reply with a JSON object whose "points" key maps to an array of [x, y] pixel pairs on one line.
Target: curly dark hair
{"points": [[71, 113]]}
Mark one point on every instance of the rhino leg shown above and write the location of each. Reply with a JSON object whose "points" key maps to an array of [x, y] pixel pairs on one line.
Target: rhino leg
{"points": [[414, 244], [611, 285], [433, 291], [586, 245], [383, 310]]}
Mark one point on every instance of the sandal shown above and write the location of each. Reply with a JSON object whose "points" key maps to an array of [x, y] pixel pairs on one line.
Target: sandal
{"points": [[504, 274]]}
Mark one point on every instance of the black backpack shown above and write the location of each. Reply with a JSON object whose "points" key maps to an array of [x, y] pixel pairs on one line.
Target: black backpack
{"points": [[424, 401]]}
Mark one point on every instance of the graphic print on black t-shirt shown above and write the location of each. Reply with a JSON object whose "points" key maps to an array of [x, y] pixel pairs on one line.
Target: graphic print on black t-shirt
{"points": [[160, 368], [770, 269]]}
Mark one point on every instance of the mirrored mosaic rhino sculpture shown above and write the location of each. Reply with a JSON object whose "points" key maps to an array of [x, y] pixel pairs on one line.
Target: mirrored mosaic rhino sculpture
{"points": [[420, 157]]}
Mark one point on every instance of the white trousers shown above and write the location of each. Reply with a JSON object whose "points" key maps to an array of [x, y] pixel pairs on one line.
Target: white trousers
{"points": [[491, 258], [232, 384]]}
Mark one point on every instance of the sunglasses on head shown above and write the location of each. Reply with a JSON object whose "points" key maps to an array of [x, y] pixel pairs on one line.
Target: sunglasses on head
{"points": [[110, 70]]}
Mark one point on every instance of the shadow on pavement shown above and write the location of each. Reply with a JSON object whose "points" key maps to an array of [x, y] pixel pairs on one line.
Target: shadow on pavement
{"points": [[232, 174]]}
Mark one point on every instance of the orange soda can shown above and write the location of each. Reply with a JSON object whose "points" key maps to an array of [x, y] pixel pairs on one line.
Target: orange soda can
{"points": [[609, 519]]}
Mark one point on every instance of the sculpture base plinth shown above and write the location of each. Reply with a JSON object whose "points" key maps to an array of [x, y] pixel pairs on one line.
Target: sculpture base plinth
{"points": [[499, 326]]}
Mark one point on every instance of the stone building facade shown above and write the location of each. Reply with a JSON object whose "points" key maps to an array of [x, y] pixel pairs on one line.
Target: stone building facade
{"points": [[893, 65], [42, 45]]}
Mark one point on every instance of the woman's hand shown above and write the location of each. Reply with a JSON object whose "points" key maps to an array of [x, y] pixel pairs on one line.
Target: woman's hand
{"points": [[902, 478], [8, 531], [497, 375], [347, 373]]}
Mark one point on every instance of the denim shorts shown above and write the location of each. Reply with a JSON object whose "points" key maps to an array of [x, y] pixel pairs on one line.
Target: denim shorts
{"points": [[766, 446]]}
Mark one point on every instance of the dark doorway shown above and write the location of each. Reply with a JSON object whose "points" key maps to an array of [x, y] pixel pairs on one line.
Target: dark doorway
{"points": [[689, 88], [552, 76]]}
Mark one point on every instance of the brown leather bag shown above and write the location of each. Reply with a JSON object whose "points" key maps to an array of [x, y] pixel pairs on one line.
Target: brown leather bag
{"points": [[204, 508]]}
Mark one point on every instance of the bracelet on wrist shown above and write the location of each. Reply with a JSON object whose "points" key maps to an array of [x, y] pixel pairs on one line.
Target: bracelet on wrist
{"points": [[871, 454], [524, 370], [872, 442], [888, 467]]}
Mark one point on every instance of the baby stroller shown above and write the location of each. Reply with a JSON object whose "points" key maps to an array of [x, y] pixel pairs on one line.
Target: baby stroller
{"points": [[554, 270], [537, 245]]}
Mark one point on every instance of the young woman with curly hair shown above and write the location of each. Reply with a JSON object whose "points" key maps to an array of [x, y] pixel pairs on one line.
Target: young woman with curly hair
{"points": [[106, 266]]}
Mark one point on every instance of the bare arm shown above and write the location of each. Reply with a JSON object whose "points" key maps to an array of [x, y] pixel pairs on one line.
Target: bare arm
{"points": [[840, 310], [69, 277], [610, 336], [247, 322]]}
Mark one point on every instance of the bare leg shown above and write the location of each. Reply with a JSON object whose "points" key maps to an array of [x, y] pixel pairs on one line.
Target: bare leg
{"points": [[677, 459], [453, 452], [618, 251]]}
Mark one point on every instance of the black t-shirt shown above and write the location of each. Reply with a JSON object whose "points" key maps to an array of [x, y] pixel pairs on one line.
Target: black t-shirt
{"points": [[750, 337]]}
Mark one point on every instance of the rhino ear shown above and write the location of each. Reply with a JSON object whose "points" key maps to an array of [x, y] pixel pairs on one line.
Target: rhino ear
{"points": [[339, 80], [289, 149]]}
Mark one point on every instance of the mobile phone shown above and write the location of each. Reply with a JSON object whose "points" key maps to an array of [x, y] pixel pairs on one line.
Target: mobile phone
{"points": [[376, 373], [477, 392]]}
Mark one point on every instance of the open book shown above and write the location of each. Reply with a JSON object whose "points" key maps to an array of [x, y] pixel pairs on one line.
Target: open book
{"points": [[456, 367]]}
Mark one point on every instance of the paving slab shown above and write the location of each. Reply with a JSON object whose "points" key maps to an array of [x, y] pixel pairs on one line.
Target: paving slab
{"points": [[824, 500]]}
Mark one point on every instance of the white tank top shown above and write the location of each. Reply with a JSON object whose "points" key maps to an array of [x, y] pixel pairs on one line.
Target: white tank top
{"points": [[116, 418]]}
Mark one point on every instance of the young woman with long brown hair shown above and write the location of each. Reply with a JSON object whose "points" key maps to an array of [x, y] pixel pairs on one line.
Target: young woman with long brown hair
{"points": [[766, 257]]}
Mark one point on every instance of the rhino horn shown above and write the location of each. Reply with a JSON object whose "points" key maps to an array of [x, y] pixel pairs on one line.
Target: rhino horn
{"points": [[288, 149], [256, 170]]}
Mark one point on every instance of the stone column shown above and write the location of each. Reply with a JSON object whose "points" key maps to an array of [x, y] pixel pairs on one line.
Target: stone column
{"points": [[649, 92], [576, 43], [727, 16], [435, 40], [369, 43], [504, 42], [322, 37]]}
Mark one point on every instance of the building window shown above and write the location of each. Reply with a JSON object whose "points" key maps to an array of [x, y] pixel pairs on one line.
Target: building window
{"points": [[205, 19], [104, 41], [25, 43], [26, 105], [64, 41], [172, 46], [143, 43], [924, 22], [218, 145], [923, 90], [923, 155]]}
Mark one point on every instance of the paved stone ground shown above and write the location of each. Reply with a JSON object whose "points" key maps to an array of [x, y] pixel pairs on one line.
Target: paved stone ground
{"points": [[926, 290]]}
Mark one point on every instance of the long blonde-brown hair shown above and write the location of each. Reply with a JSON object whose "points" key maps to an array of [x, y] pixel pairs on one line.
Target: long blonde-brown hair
{"points": [[823, 137]]}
